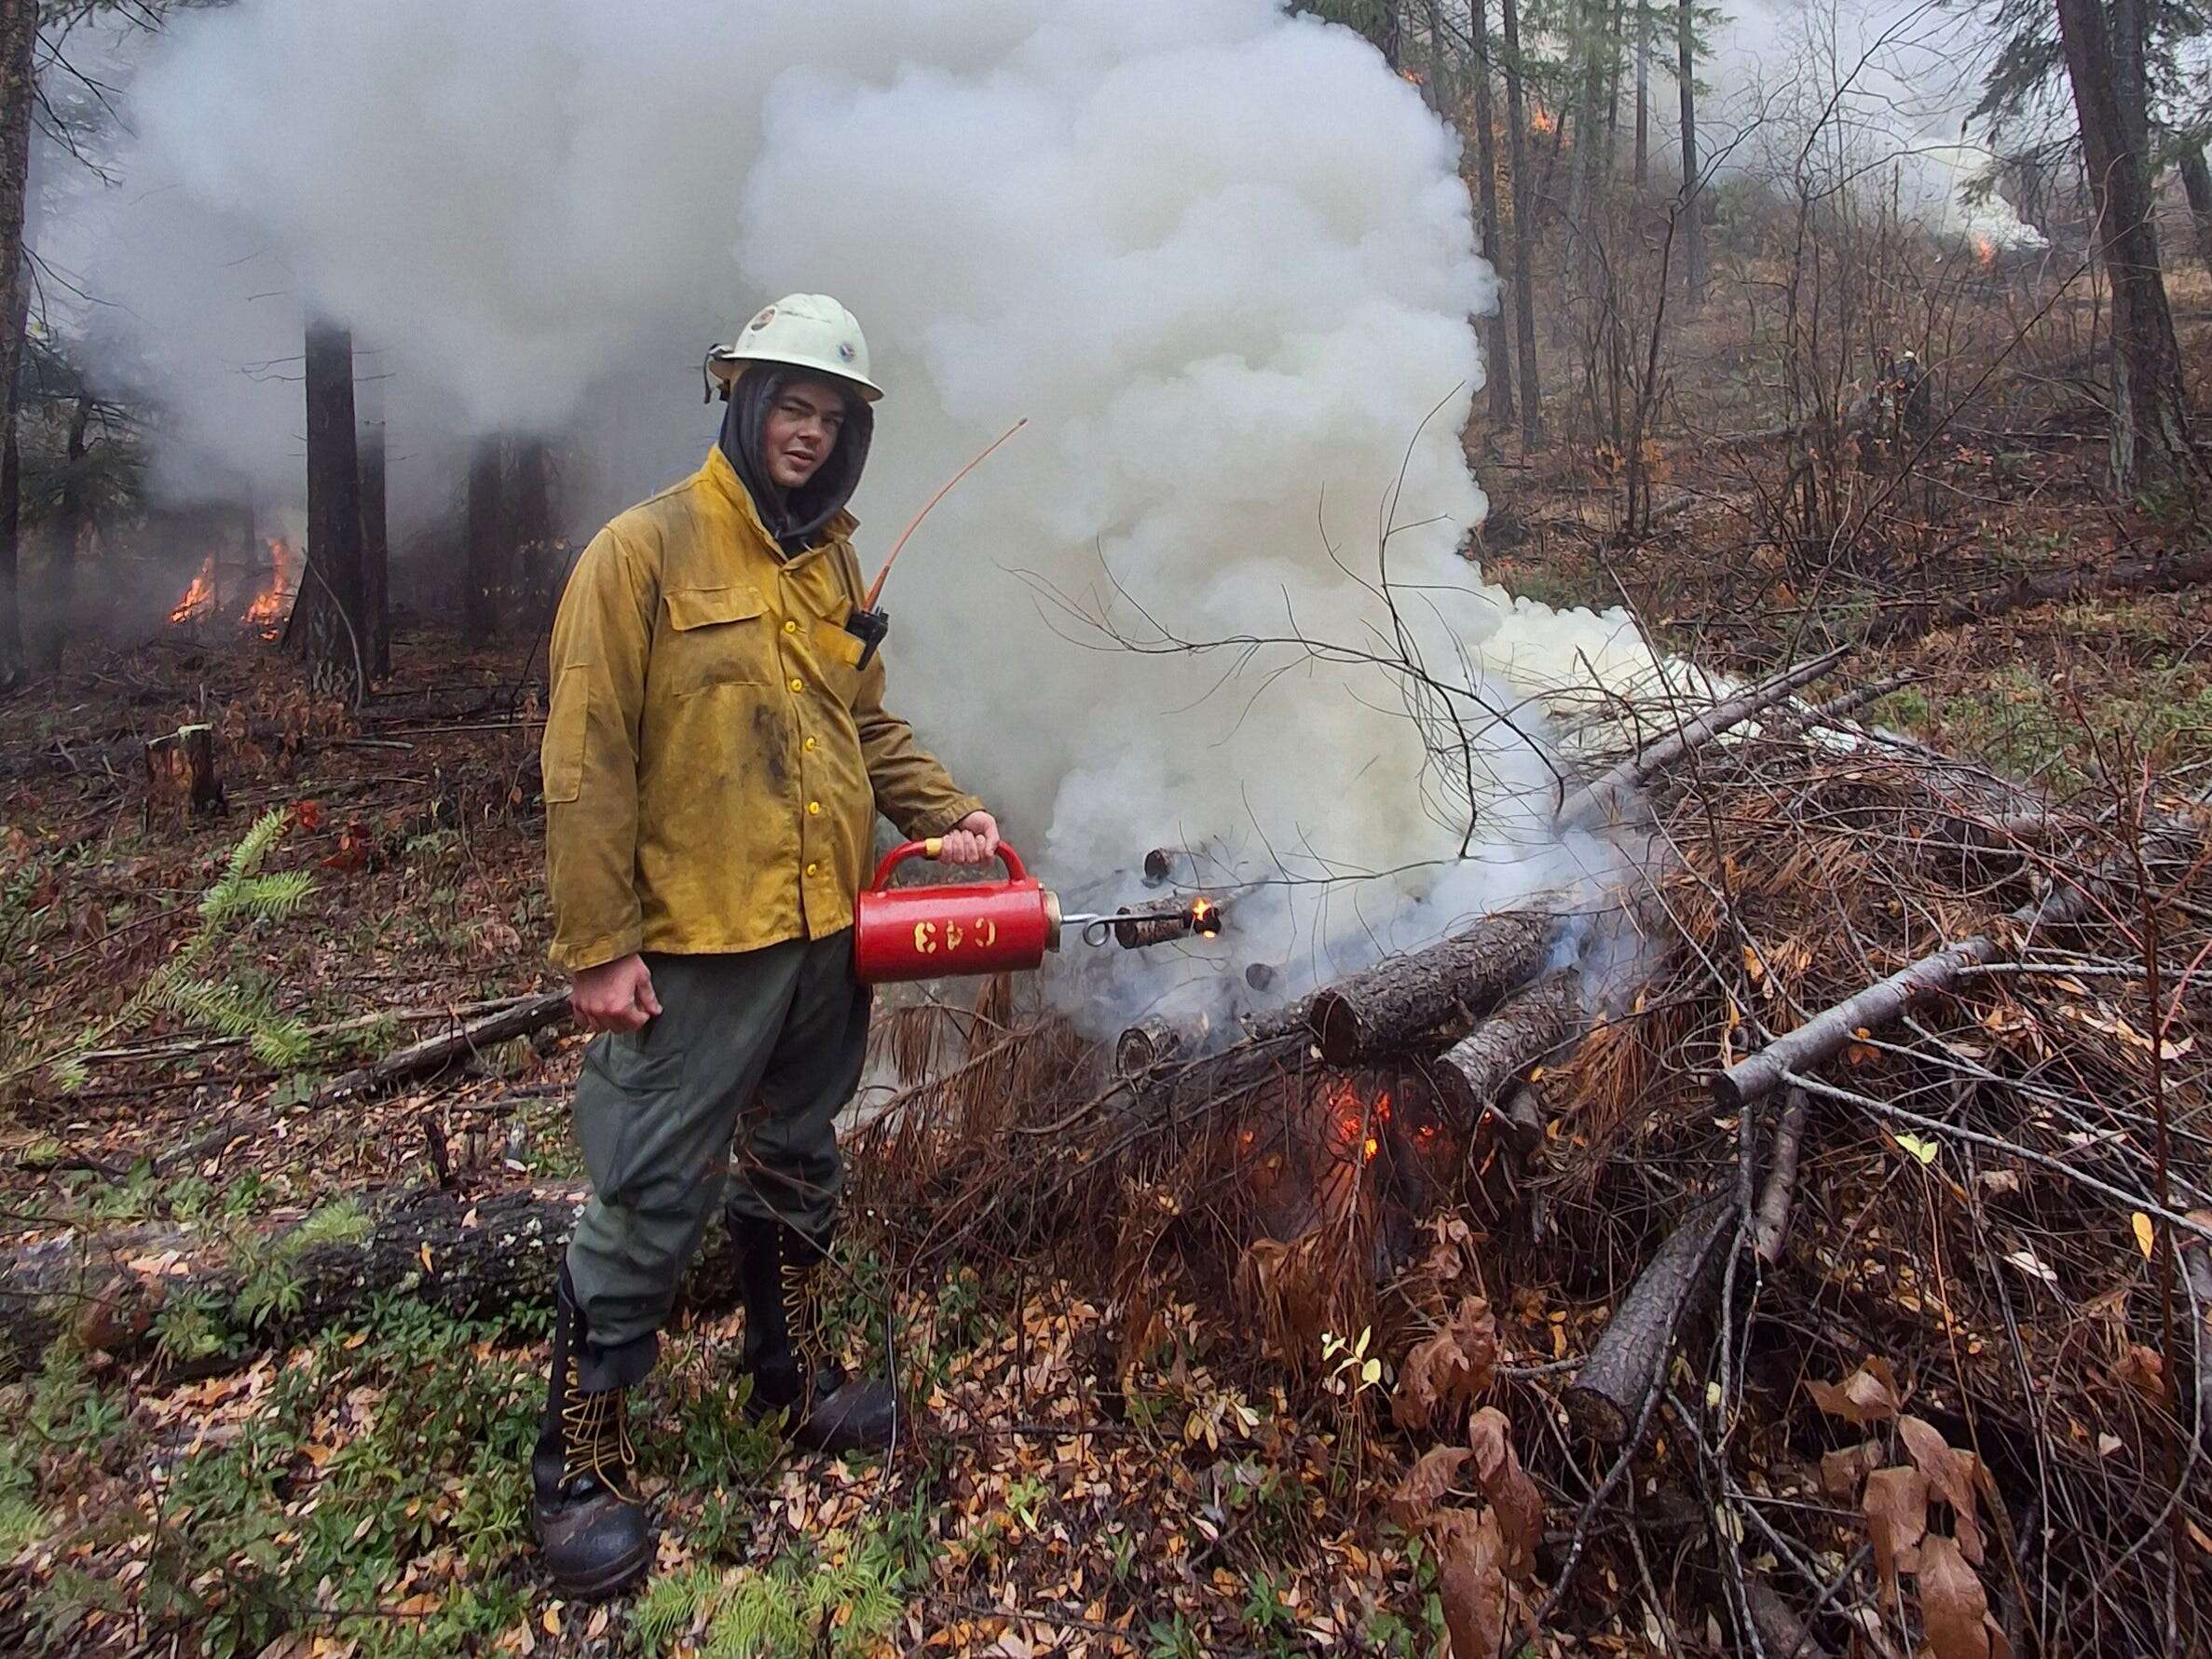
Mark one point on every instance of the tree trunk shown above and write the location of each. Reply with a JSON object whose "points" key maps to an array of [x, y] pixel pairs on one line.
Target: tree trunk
{"points": [[2150, 440], [1524, 310], [1643, 93], [335, 638], [18, 46], [2196, 183], [1440, 90], [1392, 43], [490, 560], [1693, 229], [536, 565], [1494, 335], [375, 542], [1582, 167], [70, 514]]}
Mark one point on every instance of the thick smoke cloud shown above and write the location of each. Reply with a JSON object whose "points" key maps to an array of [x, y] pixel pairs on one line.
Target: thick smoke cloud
{"points": [[1219, 257]]}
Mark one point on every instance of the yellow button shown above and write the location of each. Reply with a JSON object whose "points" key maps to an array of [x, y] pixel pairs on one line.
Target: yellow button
{"points": [[808, 745], [791, 627], [813, 805], [810, 869], [798, 685]]}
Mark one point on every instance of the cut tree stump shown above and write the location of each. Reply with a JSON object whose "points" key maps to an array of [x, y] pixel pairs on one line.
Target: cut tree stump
{"points": [[181, 774], [475, 1258], [1428, 995], [1530, 1023]]}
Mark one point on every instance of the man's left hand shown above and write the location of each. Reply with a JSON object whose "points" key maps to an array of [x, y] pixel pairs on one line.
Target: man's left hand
{"points": [[973, 840]]}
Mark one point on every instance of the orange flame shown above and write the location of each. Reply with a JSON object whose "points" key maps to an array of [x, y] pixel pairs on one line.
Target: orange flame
{"points": [[1540, 120], [267, 611], [1986, 251], [199, 598]]}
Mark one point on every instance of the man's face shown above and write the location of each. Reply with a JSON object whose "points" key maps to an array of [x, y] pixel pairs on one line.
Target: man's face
{"points": [[803, 424]]}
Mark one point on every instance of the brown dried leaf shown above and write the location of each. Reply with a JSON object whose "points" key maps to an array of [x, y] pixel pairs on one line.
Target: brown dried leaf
{"points": [[1868, 1394], [1954, 1607], [1470, 1580], [2143, 1369], [1450, 1369], [1842, 1472], [1426, 1484], [1896, 1510], [1513, 1496], [1951, 1476]]}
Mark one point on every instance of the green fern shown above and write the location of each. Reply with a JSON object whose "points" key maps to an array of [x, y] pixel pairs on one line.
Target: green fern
{"points": [[342, 1221], [672, 1605]]}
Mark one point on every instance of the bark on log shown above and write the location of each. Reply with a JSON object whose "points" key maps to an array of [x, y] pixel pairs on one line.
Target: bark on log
{"points": [[474, 1258], [520, 1019], [1755, 1076], [1607, 1395], [1530, 1023], [1782, 1633], [1398, 1003], [1599, 798]]}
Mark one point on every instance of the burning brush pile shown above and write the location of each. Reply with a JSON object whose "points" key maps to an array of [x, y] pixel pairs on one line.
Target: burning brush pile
{"points": [[1843, 1290], [249, 596]]}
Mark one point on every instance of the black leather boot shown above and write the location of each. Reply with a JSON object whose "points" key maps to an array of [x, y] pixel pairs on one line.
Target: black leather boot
{"points": [[826, 1409], [590, 1524]]}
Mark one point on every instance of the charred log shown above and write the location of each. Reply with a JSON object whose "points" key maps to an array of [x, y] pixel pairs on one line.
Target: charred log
{"points": [[1153, 1041], [433, 1053], [1431, 994]]}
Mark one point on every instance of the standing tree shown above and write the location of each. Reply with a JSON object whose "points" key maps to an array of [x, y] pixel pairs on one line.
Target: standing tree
{"points": [[1693, 211], [489, 561], [19, 92], [2196, 184], [336, 628], [375, 545], [2150, 440], [1643, 164], [1495, 337], [1525, 309]]}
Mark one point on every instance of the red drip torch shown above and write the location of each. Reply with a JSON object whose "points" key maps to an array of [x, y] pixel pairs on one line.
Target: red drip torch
{"points": [[990, 927]]}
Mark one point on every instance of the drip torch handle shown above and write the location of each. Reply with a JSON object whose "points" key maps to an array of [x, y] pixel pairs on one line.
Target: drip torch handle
{"points": [[935, 847]]}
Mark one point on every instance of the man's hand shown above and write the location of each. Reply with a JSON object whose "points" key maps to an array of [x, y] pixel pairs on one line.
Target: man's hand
{"points": [[616, 996], [973, 840]]}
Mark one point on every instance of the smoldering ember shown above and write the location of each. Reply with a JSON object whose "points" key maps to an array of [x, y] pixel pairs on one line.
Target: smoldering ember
{"points": [[1026, 828]]}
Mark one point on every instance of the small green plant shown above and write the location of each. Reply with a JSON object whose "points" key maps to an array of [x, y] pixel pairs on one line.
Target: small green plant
{"points": [[797, 1607], [243, 895]]}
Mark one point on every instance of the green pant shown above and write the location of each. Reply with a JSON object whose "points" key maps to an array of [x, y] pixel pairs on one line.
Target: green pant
{"points": [[761, 1048]]}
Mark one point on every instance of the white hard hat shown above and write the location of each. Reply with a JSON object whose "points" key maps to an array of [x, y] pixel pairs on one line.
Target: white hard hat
{"points": [[805, 330]]}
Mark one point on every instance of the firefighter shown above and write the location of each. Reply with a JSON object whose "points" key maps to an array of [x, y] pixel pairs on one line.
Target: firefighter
{"points": [[715, 757]]}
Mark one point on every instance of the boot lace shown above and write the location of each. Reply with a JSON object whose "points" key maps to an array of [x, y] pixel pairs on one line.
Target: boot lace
{"points": [[595, 1429]]}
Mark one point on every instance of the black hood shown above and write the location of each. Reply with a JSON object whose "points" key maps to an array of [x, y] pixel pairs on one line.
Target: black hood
{"points": [[794, 518]]}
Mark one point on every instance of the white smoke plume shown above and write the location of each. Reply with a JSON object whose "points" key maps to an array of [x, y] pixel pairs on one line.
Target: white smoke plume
{"points": [[1220, 256]]}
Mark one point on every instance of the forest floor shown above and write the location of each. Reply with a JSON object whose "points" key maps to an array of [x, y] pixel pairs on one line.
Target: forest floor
{"points": [[362, 1490]]}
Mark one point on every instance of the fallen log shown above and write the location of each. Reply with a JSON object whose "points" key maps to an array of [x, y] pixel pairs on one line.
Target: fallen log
{"points": [[432, 1054], [1607, 1395], [1522, 1030], [2162, 573], [1598, 799], [484, 1258], [1757, 1074], [1400, 1003], [1151, 1042]]}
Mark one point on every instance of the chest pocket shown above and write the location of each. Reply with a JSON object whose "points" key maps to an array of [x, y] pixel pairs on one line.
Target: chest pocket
{"points": [[840, 654], [718, 637]]}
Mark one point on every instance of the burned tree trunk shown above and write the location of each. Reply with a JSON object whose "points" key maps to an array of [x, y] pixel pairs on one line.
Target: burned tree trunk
{"points": [[474, 1258], [1396, 1004], [489, 561], [1523, 1029], [18, 90], [375, 542], [181, 775], [537, 569], [333, 637], [71, 513], [1495, 341], [2150, 437], [1524, 305], [1643, 163]]}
